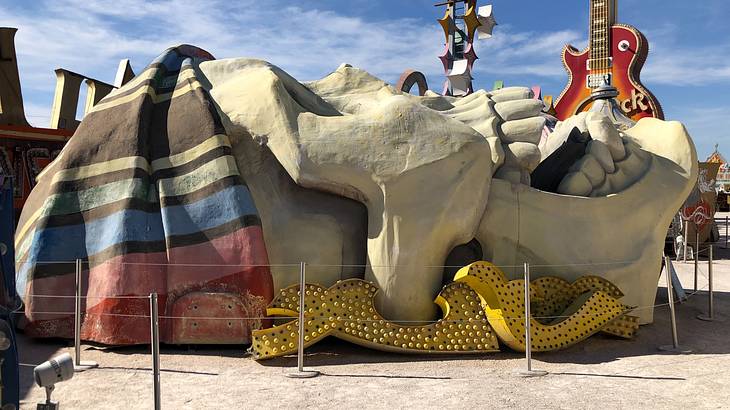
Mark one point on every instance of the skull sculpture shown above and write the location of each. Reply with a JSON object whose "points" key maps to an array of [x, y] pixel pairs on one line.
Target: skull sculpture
{"points": [[359, 179]]}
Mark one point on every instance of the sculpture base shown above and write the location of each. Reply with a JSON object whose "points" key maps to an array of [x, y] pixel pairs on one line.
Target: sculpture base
{"points": [[304, 374], [85, 365], [532, 373], [49, 405], [673, 349], [707, 318]]}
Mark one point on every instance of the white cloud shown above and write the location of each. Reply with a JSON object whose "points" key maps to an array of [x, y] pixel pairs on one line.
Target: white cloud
{"points": [[691, 66], [91, 36], [525, 53], [671, 62], [708, 125]]}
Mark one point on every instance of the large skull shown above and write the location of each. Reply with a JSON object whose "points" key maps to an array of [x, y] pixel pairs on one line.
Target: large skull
{"points": [[423, 167]]}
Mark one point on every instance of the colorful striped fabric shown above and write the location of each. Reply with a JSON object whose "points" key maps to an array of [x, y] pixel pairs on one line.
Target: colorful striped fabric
{"points": [[148, 192]]}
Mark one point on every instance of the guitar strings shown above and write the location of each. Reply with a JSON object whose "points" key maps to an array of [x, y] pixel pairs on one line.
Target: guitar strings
{"points": [[602, 19], [604, 43]]}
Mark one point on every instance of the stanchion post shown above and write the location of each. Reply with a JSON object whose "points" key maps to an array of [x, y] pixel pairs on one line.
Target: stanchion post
{"points": [[301, 373], [674, 347], [79, 366], [696, 253], [155, 341], [528, 337], [77, 315], [727, 231], [686, 234], [710, 317], [710, 307]]}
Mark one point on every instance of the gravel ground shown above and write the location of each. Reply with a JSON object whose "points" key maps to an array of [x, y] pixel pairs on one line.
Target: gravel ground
{"points": [[602, 372]]}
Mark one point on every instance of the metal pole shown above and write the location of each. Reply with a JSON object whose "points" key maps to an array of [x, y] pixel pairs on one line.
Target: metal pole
{"points": [[79, 366], [696, 252], [301, 373], [674, 347], [300, 344], [77, 315], [727, 231], [155, 339], [670, 295], [528, 341], [686, 234], [528, 336], [709, 278], [711, 306]]}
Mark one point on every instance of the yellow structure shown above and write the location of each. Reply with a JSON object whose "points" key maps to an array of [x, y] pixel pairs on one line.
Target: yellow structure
{"points": [[571, 312], [347, 311], [478, 307], [471, 20], [445, 22], [723, 174], [553, 297]]}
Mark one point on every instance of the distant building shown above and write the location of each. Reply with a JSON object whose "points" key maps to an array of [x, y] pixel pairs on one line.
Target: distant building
{"points": [[25, 150], [723, 175]]}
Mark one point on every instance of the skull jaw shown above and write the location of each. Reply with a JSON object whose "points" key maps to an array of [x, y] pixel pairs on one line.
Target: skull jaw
{"points": [[619, 236]]}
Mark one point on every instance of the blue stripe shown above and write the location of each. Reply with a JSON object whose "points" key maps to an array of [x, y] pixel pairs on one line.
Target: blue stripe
{"points": [[68, 243], [224, 206]]}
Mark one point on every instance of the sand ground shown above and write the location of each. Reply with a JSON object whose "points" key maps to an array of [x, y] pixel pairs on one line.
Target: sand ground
{"points": [[602, 372]]}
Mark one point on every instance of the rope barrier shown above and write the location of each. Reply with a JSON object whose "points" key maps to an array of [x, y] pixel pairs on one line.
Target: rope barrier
{"points": [[328, 265], [395, 321], [159, 264], [86, 297]]}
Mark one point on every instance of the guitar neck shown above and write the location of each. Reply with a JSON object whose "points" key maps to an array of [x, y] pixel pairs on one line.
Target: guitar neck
{"points": [[602, 18]]}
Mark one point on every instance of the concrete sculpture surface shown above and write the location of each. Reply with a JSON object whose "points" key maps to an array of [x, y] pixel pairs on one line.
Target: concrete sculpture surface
{"points": [[347, 173], [423, 168]]}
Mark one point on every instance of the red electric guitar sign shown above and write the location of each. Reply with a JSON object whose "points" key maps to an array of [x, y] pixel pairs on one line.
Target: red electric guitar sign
{"points": [[615, 55]]}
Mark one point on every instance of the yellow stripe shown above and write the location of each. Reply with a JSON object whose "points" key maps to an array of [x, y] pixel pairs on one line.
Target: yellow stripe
{"points": [[148, 74], [188, 77], [87, 171], [70, 174], [20, 233], [219, 140], [87, 199], [212, 171], [142, 77], [100, 168], [49, 166], [207, 173]]}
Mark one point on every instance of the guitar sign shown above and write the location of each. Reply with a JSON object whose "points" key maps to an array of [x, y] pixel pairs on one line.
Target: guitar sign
{"points": [[615, 55]]}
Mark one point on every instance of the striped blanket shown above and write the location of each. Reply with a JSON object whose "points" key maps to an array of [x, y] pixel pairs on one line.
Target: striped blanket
{"points": [[148, 195]]}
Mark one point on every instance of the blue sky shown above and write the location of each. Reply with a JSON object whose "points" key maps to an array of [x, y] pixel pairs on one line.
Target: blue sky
{"points": [[688, 67]]}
